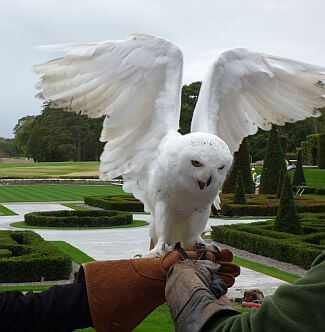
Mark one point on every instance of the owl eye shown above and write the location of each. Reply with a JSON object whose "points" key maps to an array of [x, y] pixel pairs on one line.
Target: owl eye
{"points": [[221, 167], [196, 163]]}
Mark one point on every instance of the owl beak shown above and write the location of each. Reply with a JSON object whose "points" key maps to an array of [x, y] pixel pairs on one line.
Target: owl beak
{"points": [[203, 184]]}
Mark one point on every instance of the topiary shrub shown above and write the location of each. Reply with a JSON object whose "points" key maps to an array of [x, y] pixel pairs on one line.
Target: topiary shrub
{"points": [[280, 182], [29, 258], [239, 195], [91, 218], [321, 151], [299, 177], [287, 219], [121, 202], [241, 163], [274, 161], [310, 149]]}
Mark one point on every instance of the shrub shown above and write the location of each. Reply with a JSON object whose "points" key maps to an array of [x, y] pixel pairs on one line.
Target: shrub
{"points": [[274, 161], [91, 218], [299, 177], [287, 219], [241, 163], [259, 238], [121, 202], [267, 205], [310, 149], [30, 258], [239, 195], [321, 150]]}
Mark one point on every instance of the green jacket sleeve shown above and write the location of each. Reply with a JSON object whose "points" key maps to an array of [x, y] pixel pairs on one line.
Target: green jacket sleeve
{"points": [[298, 307]]}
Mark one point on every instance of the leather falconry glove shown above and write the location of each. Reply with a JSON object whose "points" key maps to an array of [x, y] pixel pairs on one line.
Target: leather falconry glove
{"points": [[121, 293], [193, 290]]}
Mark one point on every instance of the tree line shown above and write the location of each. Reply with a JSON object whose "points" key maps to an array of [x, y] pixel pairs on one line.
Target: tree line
{"points": [[56, 135]]}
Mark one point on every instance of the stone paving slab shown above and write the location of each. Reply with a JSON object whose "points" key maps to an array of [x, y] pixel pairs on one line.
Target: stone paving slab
{"points": [[120, 243]]}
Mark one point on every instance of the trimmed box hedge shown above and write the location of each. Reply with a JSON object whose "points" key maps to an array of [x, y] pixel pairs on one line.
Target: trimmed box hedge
{"points": [[25, 257], [120, 203], [89, 218], [260, 238], [267, 205]]}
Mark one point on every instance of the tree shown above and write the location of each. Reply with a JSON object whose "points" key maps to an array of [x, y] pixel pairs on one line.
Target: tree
{"points": [[287, 219], [321, 151], [239, 195], [241, 163], [299, 177], [190, 94], [274, 163], [23, 131], [57, 135]]}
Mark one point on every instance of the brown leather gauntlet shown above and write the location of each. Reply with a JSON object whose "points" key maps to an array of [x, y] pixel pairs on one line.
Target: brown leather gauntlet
{"points": [[122, 293], [189, 297]]}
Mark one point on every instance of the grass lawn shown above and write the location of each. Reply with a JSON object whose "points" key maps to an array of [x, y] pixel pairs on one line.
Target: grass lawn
{"points": [[265, 269], [6, 212], [135, 223], [48, 169], [54, 192], [315, 177]]}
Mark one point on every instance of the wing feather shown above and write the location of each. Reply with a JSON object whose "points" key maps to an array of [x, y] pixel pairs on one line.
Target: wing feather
{"points": [[135, 84], [245, 91]]}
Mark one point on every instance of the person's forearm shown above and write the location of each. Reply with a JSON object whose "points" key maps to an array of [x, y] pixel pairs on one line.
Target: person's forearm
{"points": [[298, 307], [60, 308]]}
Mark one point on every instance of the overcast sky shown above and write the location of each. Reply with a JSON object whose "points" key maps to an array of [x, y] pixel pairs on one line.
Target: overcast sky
{"points": [[201, 28]]}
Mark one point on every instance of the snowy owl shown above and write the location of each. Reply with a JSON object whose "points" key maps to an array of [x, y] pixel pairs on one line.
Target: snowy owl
{"points": [[136, 83]]}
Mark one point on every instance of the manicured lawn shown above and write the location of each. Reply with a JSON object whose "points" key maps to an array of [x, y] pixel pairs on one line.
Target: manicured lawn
{"points": [[48, 169], [315, 177], [135, 223], [265, 269], [54, 192], [6, 212], [74, 253]]}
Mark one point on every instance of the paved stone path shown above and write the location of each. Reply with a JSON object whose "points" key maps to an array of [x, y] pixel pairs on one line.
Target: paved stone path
{"points": [[125, 243]]}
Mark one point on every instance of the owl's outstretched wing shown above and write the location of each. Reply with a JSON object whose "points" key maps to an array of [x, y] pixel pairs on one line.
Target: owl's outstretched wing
{"points": [[244, 91], [135, 83]]}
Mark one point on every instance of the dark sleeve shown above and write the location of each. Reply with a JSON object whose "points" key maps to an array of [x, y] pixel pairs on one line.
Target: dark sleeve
{"points": [[298, 307], [60, 308]]}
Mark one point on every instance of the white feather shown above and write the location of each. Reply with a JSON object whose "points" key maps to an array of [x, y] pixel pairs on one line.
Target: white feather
{"points": [[244, 90], [136, 84]]}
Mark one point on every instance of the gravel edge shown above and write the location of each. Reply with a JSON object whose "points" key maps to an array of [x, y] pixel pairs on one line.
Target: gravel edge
{"points": [[286, 267]]}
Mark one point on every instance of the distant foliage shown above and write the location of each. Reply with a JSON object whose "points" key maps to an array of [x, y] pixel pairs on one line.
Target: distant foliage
{"points": [[287, 219], [239, 195], [274, 163], [241, 163], [190, 94], [310, 149], [56, 135], [299, 177], [321, 151]]}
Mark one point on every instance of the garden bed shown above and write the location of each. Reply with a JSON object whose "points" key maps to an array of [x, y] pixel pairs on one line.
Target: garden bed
{"points": [[86, 218], [260, 238], [267, 205], [121, 203], [25, 256]]}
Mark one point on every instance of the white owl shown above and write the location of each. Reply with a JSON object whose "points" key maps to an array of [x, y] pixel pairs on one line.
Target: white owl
{"points": [[136, 83]]}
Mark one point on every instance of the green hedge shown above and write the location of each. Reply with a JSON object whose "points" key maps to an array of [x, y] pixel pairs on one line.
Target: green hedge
{"points": [[267, 205], [87, 218], [321, 151], [29, 258], [259, 238], [310, 149], [120, 203]]}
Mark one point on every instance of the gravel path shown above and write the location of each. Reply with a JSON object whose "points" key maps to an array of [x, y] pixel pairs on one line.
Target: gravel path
{"points": [[287, 267]]}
